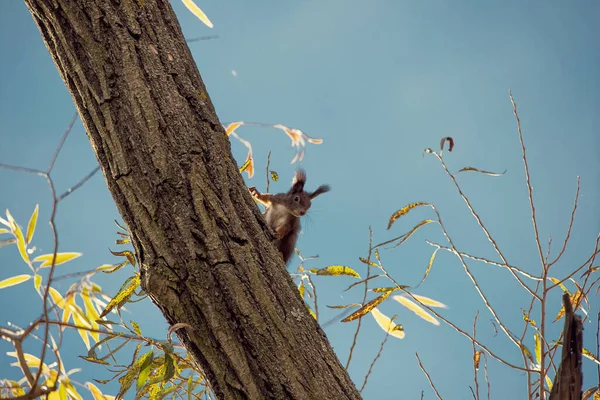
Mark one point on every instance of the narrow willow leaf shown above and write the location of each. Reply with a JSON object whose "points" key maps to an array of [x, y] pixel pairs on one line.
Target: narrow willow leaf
{"points": [[575, 301], [477, 358], [73, 394], [428, 267], [136, 328], [109, 269], [588, 354], [56, 298], [336, 270], [346, 306], [465, 169], [4, 231], [124, 294], [91, 313], [129, 255], [449, 140], [61, 258], [414, 307], [549, 383], [429, 302], [15, 280], [7, 242], [404, 211], [82, 332], [527, 352], [311, 312], [274, 176], [367, 307], [301, 289], [20, 242], [527, 319], [96, 393], [563, 287], [365, 261], [248, 165], [538, 348], [31, 225], [145, 369], [229, 129], [31, 361], [197, 12], [408, 234], [389, 289], [588, 393], [37, 281], [387, 324]]}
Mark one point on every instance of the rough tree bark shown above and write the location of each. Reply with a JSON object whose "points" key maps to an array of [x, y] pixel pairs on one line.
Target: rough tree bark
{"points": [[205, 253]]}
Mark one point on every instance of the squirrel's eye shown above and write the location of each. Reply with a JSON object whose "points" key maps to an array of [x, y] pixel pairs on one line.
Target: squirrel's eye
{"points": [[297, 199]]}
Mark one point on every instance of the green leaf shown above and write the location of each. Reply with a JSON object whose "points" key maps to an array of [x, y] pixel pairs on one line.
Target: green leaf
{"points": [[336, 270], [144, 370]]}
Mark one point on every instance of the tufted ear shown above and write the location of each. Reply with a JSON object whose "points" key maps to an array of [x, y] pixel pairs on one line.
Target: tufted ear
{"points": [[298, 181], [320, 190]]}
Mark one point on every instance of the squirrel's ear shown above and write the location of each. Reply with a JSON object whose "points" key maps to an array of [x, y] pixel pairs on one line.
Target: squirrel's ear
{"points": [[298, 181], [320, 190]]}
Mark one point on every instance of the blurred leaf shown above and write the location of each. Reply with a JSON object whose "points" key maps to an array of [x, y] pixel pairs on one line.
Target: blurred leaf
{"points": [[301, 289], [407, 235], [367, 307], [575, 301], [96, 393], [136, 328], [197, 12], [4, 231], [37, 281], [449, 140], [588, 393], [387, 324], [248, 165], [32, 223], [336, 270], [429, 302], [61, 258], [414, 307], [404, 211], [20, 241], [274, 176], [144, 370], [7, 242], [232, 127], [466, 169], [15, 280], [346, 306]]}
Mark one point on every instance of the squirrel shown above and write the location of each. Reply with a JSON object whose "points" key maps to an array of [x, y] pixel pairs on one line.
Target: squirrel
{"points": [[285, 209]]}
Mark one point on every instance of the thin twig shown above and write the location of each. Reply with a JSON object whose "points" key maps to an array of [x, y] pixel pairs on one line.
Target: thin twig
{"points": [[364, 301], [387, 335], [428, 377], [78, 184], [570, 226], [475, 363], [268, 164], [61, 143]]}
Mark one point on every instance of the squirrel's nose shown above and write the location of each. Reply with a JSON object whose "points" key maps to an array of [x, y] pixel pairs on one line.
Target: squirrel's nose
{"points": [[302, 212]]}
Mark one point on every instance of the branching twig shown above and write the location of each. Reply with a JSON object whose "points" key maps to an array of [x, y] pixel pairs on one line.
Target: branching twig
{"points": [[428, 377]]}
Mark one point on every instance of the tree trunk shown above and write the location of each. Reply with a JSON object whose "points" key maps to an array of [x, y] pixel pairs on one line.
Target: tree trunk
{"points": [[569, 379], [205, 253]]}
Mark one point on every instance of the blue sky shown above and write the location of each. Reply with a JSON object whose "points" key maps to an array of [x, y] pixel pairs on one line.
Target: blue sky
{"points": [[378, 82]]}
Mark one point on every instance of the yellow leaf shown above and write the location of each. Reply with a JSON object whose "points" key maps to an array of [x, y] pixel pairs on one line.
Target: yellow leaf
{"points": [[367, 307], [414, 307], [32, 223], [19, 236], [428, 267], [15, 280], [429, 302], [365, 261], [389, 289], [538, 348], [588, 354], [404, 211], [563, 287], [37, 281], [4, 230], [477, 358], [91, 313], [61, 258], [71, 390], [387, 324], [274, 176], [527, 319], [123, 296], [96, 393], [248, 165], [336, 270], [82, 332], [549, 382], [56, 297], [232, 127], [31, 361], [301, 289], [197, 12]]}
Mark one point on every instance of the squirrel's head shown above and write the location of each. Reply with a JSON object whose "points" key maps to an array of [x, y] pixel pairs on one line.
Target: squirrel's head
{"points": [[299, 201]]}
